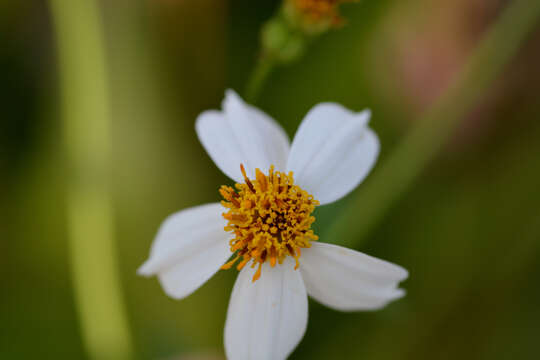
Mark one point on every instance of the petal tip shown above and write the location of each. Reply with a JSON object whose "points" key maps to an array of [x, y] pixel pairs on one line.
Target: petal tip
{"points": [[364, 117], [404, 274], [231, 96], [400, 293], [366, 113], [172, 291], [205, 116], [146, 269], [230, 92]]}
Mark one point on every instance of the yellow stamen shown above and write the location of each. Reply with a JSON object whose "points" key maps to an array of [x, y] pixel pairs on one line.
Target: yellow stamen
{"points": [[257, 273], [273, 260], [228, 265], [270, 218], [242, 263]]}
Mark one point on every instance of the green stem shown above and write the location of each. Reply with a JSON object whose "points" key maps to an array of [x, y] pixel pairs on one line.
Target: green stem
{"points": [[422, 144], [87, 145], [258, 77]]}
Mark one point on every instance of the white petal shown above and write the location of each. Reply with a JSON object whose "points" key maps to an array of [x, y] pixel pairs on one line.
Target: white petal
{"points": [[190, 247], [349, 280], [266, 319], [332, 151], [242, 134]]}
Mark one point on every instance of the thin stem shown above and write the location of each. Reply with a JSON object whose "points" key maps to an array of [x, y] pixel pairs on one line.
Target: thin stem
{"points": [[434, 129], [258, 77], [87, 145]]}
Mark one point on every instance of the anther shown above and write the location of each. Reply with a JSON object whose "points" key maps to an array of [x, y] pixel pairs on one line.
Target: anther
{"points": [[248, 182]]}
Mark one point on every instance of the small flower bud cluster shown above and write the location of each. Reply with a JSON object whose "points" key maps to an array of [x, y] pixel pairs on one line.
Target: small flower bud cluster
{"points": [[285, 36]]}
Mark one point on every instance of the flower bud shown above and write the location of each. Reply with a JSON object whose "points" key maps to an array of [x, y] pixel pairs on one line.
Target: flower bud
{"points": [[314, 16], [280, 43]]}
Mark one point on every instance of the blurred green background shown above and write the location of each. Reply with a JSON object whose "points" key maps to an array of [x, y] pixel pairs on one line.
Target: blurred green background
{"points": [[468, 229]]}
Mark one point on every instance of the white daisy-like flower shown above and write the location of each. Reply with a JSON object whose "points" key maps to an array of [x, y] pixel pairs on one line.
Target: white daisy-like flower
{"points": [[265, 221]]}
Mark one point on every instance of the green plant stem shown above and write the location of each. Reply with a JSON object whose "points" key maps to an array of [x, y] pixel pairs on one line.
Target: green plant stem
{"points": [[434, 129], [87, 146], [258, 77]]}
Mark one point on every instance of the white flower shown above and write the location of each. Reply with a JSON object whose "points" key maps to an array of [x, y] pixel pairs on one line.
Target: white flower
{"points": [[267, 221]]}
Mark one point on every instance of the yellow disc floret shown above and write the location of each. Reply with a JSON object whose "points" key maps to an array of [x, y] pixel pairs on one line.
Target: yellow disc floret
{"points": [[270, 218]]}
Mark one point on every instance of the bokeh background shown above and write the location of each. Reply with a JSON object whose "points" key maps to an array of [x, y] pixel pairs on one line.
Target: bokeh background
{"points": [[468, 228]]}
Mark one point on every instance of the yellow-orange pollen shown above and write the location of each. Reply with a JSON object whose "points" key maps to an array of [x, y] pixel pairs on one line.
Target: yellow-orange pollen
{"points": [[270, 218]]}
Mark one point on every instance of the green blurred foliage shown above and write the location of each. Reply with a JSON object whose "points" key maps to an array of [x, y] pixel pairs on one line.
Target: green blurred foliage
{"points": [[468, 230]]}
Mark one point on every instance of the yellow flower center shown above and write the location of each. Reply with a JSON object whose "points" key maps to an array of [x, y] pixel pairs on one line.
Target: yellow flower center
{"points": [[270, 218]]}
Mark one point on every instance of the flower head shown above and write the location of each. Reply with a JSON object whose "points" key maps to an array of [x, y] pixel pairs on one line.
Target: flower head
{"points": [[315, 15], [270, 219], [265, 220]]}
